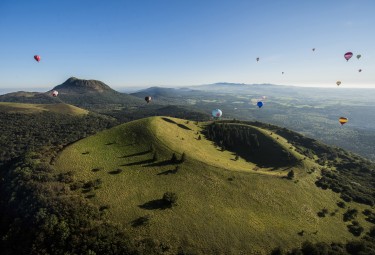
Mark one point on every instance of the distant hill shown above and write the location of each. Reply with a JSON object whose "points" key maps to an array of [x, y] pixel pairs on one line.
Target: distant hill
{"points": [[162, 95], [37, 108], [225, 204], [89, 94]]}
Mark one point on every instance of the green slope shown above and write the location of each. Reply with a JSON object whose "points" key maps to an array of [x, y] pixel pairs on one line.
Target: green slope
{"points": [[36, 108], [224, 206]]}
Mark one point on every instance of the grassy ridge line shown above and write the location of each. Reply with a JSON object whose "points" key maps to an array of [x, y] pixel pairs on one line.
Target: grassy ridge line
{"points": [[35, 108], [251, 214]]}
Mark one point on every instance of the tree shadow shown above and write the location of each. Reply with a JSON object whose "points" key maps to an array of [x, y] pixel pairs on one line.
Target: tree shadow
{"points": [[163, 163], [97, 169], [169, 120], [110, 143], [136, 154], [139, 162], [157, 204], [117, 171], [168, 172], [183, 126], [141, 221], [85, 153]]}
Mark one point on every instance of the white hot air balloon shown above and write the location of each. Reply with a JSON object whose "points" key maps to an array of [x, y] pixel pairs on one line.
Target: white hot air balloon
{"points": [[55, 93], [217, 113]]}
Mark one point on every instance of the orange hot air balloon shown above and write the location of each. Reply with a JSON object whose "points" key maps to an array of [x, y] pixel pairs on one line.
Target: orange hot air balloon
{"points": [[343, 120]]}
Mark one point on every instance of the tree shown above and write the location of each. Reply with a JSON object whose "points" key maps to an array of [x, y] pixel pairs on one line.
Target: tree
{"points": [[237, 157], [183, 157], [174, 158], [291, 175], [155, 157], [170, 198], [199, 137]]}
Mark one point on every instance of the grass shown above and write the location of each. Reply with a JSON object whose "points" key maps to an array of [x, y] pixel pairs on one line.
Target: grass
{"points": [[36, 108], [224, 206]]}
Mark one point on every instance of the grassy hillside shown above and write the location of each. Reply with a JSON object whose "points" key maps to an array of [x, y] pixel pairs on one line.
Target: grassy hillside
{"points": [[37, 108], [224, 205]]}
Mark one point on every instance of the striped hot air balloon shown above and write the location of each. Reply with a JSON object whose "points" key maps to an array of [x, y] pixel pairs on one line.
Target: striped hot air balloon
{"points": [[343, 120]]}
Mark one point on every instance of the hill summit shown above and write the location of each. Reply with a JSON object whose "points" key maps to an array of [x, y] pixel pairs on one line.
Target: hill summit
{"points": [[76, 85]]}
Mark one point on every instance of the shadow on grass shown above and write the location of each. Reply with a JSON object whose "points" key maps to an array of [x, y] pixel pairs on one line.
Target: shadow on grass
{"points": [[183, 126], [136, 154], [164, 163], [157, 204], [110, 143], [117, 171], [169, 120], [168, 172], [139, 162]]}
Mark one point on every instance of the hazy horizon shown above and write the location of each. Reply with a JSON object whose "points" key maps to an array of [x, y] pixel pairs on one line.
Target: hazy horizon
{"points": [[184, 43]]}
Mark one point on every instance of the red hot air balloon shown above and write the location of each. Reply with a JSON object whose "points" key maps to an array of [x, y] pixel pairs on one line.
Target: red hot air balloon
{"points": [[37, 58], [348, 55]]}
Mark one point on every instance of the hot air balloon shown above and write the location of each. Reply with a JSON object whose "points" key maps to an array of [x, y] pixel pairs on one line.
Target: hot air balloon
{"points": [[264, 97], [359, 56], [343, 120], [348, 55], [282, 72], [217, 113], [54, 93], [360, 70], [257, 59], [338, 83], [148, 99], [37, 58], [260, 104], [313, 49]]}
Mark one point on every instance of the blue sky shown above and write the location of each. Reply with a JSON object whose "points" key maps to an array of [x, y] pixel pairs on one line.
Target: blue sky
{"points": [[187, 42]]}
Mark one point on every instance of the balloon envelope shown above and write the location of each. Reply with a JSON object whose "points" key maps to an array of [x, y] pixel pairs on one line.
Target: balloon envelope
{"points": [[359, 56], [37, 58], [338, 83], [260, 104], [360, 70], [313, 49], [148, 99], [348, 55], [343, 120], [217, 113], [257, 59], [55, 93]]}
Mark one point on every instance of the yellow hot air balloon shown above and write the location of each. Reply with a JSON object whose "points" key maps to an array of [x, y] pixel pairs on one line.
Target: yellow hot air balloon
{"points": [[343, 120]]}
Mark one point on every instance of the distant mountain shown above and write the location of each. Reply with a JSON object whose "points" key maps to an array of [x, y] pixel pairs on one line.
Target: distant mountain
{"points": [[89, 94], [161, 95], [74, 85]]}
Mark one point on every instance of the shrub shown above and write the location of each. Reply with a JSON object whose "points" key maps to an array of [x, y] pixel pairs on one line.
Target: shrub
{"points": [[341, 204], [350, 214], [170, 198], [291, 175], [355, 228]]}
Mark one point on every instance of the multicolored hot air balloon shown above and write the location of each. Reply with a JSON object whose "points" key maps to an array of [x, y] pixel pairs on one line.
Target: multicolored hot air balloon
{"points": [[348, 55], [54, 93], [257, 59], [217, 113], [343, 120], [37, 58], [359, 56], [148, 99], [338, 83], [260, 104]]}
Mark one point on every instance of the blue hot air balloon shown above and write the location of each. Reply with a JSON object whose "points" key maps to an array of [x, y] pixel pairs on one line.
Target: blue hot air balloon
{"points": [[260, 104]]}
